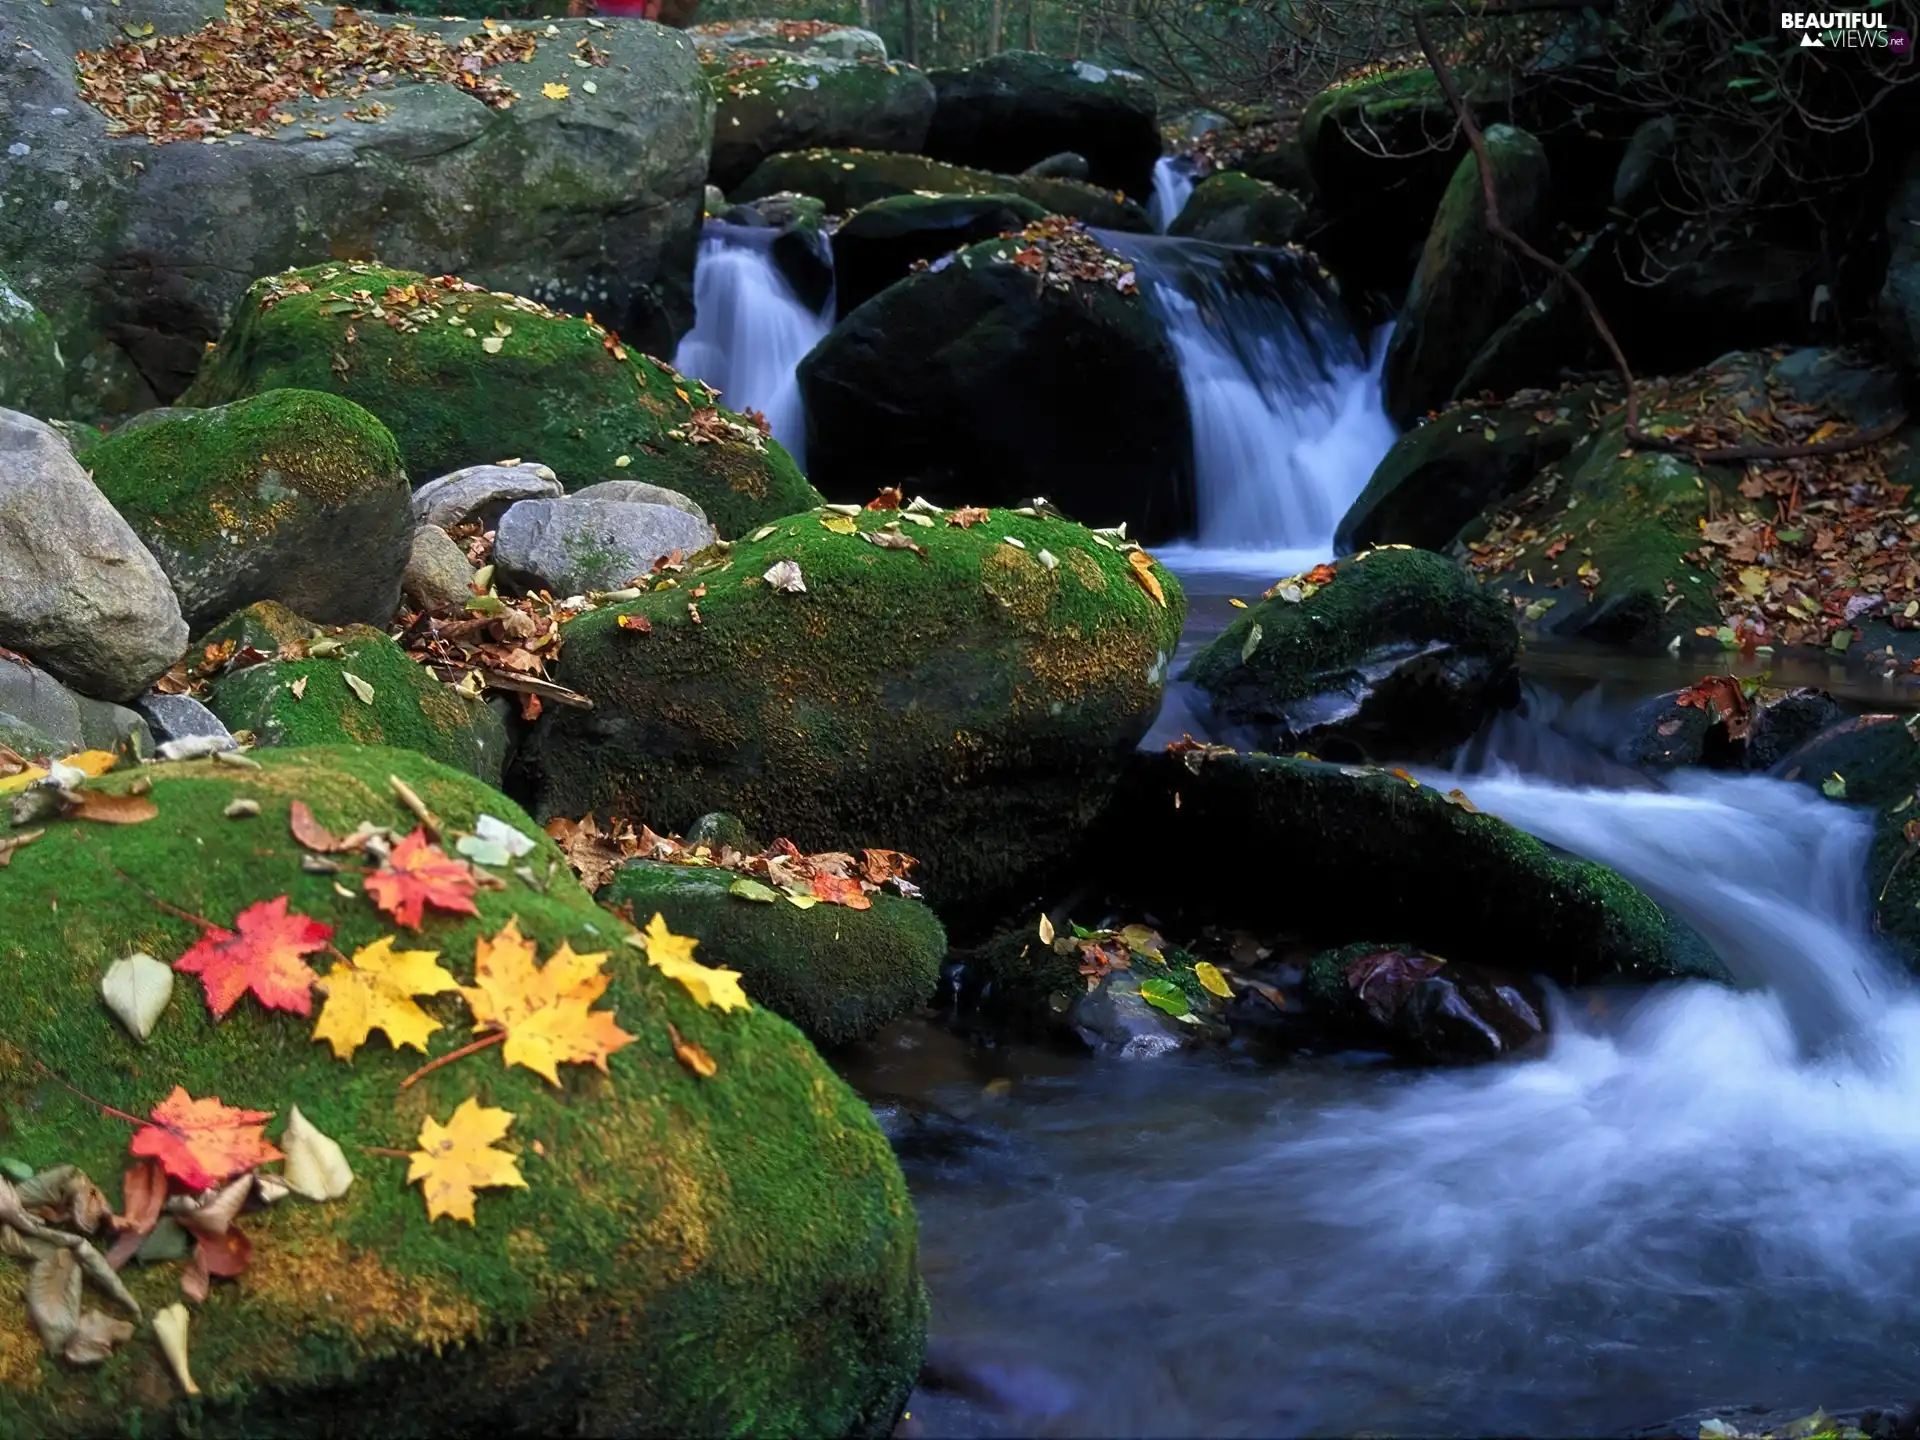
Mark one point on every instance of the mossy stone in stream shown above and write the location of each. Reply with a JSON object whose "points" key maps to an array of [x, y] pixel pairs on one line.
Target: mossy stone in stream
{"points": [[464, 377], [769, 102], [1229, 208], [1015, 980], [1420, 1006], [724, 1255], [838, 974], [878, 244], [971, 705]]}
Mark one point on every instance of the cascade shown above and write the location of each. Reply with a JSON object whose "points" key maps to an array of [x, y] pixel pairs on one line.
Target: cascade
{"points": [[1172, 185]]}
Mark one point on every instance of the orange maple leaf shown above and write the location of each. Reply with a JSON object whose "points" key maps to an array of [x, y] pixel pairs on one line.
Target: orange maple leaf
{"points": [[262, 954], [966, 516], [203, 1142], [418, 874], [544, 1012], [839, 890]]}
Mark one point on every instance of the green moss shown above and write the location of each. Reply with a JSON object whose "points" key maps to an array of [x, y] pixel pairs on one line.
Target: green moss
{"points": [[554, 389], [410, 709], [969, 707], [838, 974], [849, 179], [1229, 208], [265, 626], [724, 1256], [33, 373]]}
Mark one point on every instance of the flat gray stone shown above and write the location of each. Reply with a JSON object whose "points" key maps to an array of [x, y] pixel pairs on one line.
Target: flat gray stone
{"points": [[439, 575], [572, 546], [481, 492], [179, 717], [638, 492]]}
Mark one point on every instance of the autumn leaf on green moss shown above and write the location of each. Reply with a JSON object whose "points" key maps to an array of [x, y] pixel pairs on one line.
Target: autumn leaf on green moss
{"points": [[458, 1158], [374, 990], [418, 874], [672, 956], [260, 954], [545, 1012], [204, 1142]]}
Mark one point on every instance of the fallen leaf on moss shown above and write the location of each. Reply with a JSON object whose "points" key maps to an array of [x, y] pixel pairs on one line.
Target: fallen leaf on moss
{"points": [[748, 889], [143, 1191], [672, 956], [105, 809], [18, 841], [1142, 564], [887, 499], [361, 689], [545, 1011], [170, 1329], [1164, 995], [458, 1158], [299, 688], [785, 577], [316, 1166], [639, 623], [136, 989], [260, 954], [418, 874], [967, 516], [373, 990], [839, 524], [311, 834], [203, 1142], [691, 1055]]}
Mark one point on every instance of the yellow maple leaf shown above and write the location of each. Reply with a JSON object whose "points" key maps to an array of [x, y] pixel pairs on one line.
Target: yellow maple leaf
{"points": [[374, 990], [672, 956], [555, 92], [457, 1158], [545, 1013]]}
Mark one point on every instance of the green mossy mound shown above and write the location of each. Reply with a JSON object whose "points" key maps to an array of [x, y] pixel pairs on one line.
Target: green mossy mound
{"points": [[838, 974], [33, 375], [771, 102], [1229, 208], [1320, 850], [848, 179], [552, 390], [733, 1255], [1399, 649], [289, 495], [879, 243], [410, 709], [971, 708]]}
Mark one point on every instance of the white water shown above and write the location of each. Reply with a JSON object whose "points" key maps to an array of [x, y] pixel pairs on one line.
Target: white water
{"points": [[750, 330], [1172, 186]]}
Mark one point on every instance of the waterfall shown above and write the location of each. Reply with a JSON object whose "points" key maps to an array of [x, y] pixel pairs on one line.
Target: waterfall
{"points": [[1172, 184], [1285, 398], [750, 330]]}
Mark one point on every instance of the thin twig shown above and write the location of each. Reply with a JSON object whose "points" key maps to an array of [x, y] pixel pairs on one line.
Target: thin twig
{"points": [[99, 1105], [452, 1055]]}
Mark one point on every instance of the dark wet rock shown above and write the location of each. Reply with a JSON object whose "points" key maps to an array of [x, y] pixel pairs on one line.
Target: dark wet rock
{"points": [[1664, 734], [978, 386], [33, 373], [799, 247], [1786, 722], [1115, 1019], [1398, 653], [878, 244], [1067, 165], [1900, 295], [1231, 208], [1012, 110], [482, 493], [1423, 1007], [1770, 724]]}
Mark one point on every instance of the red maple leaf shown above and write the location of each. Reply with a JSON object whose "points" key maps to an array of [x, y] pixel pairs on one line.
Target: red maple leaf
{"points": [[262, 954], [838, 890], [204, 1142], [417, 875]]}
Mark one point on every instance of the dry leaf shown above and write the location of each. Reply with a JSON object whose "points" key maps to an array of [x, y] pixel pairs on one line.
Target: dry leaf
{"points": [[1142, 564], [203, 1142], [418, 874], [373, 990], [691, 1055], [359, 687], [262, 955], [672, 956], [136, 989], [784, 575], [106, 809], [170, 1329], [544, 1010], [457, 1158], [316, 1166]]}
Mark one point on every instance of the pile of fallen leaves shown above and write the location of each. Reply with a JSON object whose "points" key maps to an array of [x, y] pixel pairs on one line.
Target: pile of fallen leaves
{"points": [[1104, 952], [780, 872], [1061, 251], [236, 75]]}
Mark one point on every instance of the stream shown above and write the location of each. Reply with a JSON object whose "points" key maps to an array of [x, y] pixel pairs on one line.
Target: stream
{"points": [[1692, 1197]]}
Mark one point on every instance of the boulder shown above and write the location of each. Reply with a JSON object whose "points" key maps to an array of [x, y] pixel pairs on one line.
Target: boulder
{"points": [[287, 495], [638, 492], [570, 547], [1397, 653], [970, 706], [1468, 281], [1546, 340], [590, 202], [805, 37], [1229, 208], [41, 717], [1742, 725], [983, 383], [1321, 851], [1900, 294], [687, 1255], [83, 598], [847, 179], [1011, 110], [1065, 166], [525, 382], [402, 704], [483, 493], [439, 577], [179, 717], [1422, 1007], [877, 245], [33, 373], [838, 974], [772, 101]]}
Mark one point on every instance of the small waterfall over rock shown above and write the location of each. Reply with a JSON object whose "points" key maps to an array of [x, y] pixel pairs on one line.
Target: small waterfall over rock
{"points": [[750, 329], [1172, 185], [1285, 397]]}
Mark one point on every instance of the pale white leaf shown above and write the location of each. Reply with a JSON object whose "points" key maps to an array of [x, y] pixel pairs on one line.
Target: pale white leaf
{"points": [[136, 990]]}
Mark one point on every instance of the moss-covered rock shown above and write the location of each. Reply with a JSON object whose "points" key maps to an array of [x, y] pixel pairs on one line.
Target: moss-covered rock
{"points": [[1397, 652], [555, 389], [848, 179], [1324, 851], [838, 974], [878, 244], [984, 383], [1013, 109], [971, 706], [689, 1256], [1229, 208], [33, 374], [410, 708], [1469, 281], [287, 495]]}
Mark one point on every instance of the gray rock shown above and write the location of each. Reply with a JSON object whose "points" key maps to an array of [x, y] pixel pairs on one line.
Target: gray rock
{"points": [[482, 492], [439, 576], [1114, 1019], [572, 546], [179, 717], [842, 42], [33, 373], [593, 203], [638, 492], [780, 102], [40, 716], [83, 597]]}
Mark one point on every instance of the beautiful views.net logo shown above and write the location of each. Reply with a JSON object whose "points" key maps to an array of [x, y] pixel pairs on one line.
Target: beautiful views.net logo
{"points": [[1847, 30]]}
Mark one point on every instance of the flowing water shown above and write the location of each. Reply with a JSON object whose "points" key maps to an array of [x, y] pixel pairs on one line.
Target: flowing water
{"points": [[750, 330], [1172, 185]]}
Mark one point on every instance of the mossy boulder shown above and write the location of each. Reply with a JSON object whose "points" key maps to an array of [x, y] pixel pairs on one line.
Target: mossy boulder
{"points": [[1229, 208], [1325, 852], [287, 495], [33, 374], [554, 388], [771, 101], [878, 244], [1397, 653], [848, 179], [971, 706], [983, 383], [689, 1256], [1469, 281], [1011, 110], [409, 709], [838, 974]]}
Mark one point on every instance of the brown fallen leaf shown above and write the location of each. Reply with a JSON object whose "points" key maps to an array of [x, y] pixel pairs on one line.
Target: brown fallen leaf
{"points": [[11, 843], [967, 516], [1142, 564], [311, 834], [105, 809], [691, 1055], [144, 1192]]}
